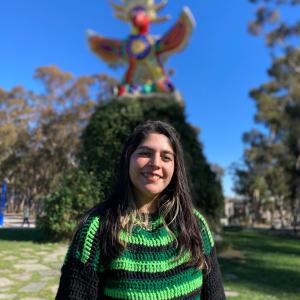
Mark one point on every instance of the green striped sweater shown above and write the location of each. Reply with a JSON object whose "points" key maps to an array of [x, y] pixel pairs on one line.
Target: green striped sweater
{"points": [[146, 269]]}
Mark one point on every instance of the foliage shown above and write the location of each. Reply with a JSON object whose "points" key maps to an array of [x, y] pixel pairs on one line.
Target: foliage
{"points": [[269, 22], [62, 210], [271, 163], [39, 132], [113, 121], [40, 139]]}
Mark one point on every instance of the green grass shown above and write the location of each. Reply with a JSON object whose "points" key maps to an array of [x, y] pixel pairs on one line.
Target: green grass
{"points": [[19, 247], [260, 265], [257, 265]]}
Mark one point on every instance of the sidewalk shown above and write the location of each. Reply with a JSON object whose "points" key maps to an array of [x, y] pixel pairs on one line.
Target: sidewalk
{"points": [[16, 221]]}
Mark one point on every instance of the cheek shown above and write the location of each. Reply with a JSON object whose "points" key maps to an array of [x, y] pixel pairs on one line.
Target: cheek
{"points": [[139, 162], [170, 171], [135, 165]]}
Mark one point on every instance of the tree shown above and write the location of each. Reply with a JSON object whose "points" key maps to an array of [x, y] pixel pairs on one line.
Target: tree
{"points": [[62, 210], [113, 121], [277, 32], [15, 115], [44, 157], [271, 161], [40, 131]]}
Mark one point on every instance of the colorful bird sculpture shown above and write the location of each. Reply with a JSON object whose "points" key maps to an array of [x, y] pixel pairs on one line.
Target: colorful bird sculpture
{"points": [[144, 54]]}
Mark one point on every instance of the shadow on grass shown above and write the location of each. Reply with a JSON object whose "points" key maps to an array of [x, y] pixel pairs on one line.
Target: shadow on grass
{"points": [[256, 276], [263, 242], [262, 267], [23, 235]]}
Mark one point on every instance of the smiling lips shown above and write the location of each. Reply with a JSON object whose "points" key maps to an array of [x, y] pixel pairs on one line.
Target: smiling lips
{"points": [[151, 176]]}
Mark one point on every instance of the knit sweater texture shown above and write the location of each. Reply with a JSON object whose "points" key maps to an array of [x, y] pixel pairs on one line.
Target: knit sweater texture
{"points": [[146, 269]]}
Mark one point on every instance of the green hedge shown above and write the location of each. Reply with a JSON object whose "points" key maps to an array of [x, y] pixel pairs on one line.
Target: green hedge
{"points": [[113, 121], [102, 143], [77, 193]]}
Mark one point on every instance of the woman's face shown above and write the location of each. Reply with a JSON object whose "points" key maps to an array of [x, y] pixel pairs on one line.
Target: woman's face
{"points": [[151, 167]]}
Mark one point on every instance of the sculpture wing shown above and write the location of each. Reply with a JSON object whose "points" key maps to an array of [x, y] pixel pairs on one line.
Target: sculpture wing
{"points": [[110, 50], [177, 37]]}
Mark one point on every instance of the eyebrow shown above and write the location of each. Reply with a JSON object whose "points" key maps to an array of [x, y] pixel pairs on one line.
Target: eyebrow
{"points": [[150, 149]]}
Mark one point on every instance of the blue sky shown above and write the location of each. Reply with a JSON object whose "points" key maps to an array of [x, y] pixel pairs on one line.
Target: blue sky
{"points": [[214, 73]]}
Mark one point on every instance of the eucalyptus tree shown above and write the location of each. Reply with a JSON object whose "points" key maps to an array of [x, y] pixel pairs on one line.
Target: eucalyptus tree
{"points": [[39, 131], [271, 163]]}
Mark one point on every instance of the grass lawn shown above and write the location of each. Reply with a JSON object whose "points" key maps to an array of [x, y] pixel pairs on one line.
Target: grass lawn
{"points": [[255, 265], [260, 265], [29, 268]]}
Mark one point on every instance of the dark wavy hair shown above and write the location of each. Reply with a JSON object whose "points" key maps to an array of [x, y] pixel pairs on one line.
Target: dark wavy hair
{"points": [[175, 203]]}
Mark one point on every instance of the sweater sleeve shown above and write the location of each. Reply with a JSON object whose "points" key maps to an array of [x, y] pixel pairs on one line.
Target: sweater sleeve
{"points": [[81, 269], [212, 288]]}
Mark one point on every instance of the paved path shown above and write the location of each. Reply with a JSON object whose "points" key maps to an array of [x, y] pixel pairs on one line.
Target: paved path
{"points": [[16, 221], [31, 273]]}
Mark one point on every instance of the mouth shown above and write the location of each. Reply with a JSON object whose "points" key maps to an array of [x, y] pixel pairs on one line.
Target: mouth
{"points": [[151, 176]]}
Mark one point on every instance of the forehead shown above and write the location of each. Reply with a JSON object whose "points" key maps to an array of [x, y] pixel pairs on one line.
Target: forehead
{"points": [[157, 141]]}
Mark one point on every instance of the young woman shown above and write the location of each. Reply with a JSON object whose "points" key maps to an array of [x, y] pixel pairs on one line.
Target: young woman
{"points": [[146, 241]]}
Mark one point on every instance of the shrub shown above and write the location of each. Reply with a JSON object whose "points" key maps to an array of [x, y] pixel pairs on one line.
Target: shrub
{"points": [[113, 121], [62, 211]]}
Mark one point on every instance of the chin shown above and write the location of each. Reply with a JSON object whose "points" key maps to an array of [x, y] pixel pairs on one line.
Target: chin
{"points": [[151, 193]]}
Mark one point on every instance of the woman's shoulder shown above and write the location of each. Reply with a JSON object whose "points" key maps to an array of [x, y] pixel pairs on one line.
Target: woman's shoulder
{"points": [[90, 223], [205, 232], [82, 265], [84, 247]]}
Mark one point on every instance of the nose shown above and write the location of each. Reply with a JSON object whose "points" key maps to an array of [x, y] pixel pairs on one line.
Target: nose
{"points": [[155, 160]]}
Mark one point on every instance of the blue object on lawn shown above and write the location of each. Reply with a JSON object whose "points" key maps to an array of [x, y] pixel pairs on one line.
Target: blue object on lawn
{"points": [[3, 201]]}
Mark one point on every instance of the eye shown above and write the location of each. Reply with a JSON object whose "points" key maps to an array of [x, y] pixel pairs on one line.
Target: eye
{"points": [[143, 153], [166, 158]]}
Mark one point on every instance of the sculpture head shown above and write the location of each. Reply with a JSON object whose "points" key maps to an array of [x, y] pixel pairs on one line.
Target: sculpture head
{"points": [[140, 19], [140, 13]]}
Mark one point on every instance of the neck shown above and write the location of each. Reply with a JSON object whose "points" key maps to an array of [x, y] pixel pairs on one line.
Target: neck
{"points": [[147, 206], [142, 30]]}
